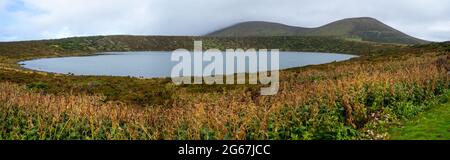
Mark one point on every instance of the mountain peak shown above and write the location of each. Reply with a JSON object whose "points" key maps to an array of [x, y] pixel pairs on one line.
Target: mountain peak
{"points": [[359, 28], [361, 18]]}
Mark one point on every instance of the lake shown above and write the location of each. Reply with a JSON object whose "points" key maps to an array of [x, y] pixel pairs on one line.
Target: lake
{"points": [[153, 64]]}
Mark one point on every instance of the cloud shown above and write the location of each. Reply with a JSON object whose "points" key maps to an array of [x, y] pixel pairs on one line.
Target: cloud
{"points": [[62, 18], [37, 19]]}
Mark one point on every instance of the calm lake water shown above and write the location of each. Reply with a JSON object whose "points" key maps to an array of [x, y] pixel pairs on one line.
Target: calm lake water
{"points": [[153, 64]]}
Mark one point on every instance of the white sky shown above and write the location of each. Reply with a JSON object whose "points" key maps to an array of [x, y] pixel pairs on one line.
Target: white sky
{"points": [[42, 19]]}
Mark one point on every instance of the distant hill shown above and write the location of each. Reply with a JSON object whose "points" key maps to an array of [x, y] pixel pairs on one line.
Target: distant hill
{"points": [[259, 28], [363, 29]]}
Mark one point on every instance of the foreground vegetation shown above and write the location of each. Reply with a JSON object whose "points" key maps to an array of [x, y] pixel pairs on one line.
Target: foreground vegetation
{"points": [[161, 91], [357, 99]]}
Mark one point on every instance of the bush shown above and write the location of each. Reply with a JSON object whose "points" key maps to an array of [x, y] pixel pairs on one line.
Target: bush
{"points": [[37, 86]]}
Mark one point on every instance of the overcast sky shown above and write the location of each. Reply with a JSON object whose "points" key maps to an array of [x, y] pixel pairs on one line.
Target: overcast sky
{"points": [[43, 19]]}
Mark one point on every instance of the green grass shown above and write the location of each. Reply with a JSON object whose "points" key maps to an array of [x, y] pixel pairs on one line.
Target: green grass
{"points": [[430, 125]]}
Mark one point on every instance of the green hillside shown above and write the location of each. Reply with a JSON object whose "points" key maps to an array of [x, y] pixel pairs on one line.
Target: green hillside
{"points": [[364, 29], [95, 44]]}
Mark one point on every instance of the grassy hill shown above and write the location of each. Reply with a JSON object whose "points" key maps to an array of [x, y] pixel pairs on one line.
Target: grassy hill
{"points": [[365, 29]]}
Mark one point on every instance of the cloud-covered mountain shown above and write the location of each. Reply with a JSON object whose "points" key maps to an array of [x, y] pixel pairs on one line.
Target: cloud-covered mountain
{"points": [[364, 29]]}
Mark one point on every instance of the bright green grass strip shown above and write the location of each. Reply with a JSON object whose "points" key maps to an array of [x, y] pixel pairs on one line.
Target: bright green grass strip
{"points": [[430, 125]]}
